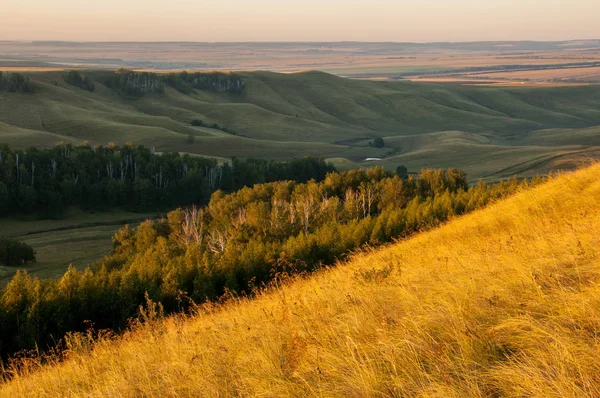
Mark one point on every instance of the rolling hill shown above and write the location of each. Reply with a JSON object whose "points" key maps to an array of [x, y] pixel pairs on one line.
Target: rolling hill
{"points": [[490, 132], [501, 302]]}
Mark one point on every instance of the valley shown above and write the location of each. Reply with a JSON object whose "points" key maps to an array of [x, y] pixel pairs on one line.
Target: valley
{"points": [[489, 132]]}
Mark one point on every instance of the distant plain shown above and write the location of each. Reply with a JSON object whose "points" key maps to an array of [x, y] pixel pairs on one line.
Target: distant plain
{"points": [[461, 61]]}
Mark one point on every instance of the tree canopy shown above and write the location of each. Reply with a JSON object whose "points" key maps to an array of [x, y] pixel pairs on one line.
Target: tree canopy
{"points": [[130, 177], [239, 241]]}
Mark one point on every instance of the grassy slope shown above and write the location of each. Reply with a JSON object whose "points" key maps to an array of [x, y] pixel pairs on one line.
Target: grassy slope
{"points": [[286, 115], [501, 302]]}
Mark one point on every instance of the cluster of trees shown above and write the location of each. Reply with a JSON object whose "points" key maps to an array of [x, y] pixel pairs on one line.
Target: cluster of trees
{"points": [[238, 241], [136, 84], [218, 82], [377, 143], [134, 178], [14, 253], [16, 83], [75, 78], [201, 123]]}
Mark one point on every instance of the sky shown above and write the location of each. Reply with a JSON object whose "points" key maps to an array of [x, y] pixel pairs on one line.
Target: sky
{"points": [[306, 20]]}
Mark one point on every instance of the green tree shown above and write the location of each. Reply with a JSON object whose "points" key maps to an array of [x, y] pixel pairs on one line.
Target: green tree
{"points": [[27, 198], [377, 143], [402, 171], [14, 253], [75, 78], [4, 199]]}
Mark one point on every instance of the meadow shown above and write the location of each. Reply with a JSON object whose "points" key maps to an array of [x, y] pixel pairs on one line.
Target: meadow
{"points": [[500, 302], [78, 238]]}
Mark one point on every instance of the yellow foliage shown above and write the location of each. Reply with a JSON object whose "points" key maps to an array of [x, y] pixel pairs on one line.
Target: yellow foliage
{"points": [[502, 302]]}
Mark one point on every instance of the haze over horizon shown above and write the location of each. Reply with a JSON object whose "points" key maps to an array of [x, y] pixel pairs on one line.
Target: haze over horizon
{"points": [[309, 20]]}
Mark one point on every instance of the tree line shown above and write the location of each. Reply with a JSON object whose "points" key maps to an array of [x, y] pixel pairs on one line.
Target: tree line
{"points": [[45, 181], [201, 123], [134, 84], [238, 241], [218, 82], [16, 83], [137, 84]]}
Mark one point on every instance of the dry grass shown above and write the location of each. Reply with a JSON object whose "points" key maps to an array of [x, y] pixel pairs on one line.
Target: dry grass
{"points": [[502, 302]]}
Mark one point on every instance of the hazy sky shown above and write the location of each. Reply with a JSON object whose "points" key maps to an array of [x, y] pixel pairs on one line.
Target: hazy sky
{"points": [[306, 20]]}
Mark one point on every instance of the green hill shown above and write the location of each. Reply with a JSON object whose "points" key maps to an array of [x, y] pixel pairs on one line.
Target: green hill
{"points": [[488, 131]]}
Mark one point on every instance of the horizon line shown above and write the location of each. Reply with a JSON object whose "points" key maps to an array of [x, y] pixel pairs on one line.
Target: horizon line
{"points": [[293, 41]]}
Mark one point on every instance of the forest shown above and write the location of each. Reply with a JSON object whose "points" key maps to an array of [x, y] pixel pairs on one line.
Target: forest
{"points": [[46, 181], [240, 241]]}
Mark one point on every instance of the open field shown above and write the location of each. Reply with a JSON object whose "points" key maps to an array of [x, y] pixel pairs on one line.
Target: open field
{"points": [[569, 74], [484, 130], [350, 59], [501, 302], [79, 238], [483, 82]]}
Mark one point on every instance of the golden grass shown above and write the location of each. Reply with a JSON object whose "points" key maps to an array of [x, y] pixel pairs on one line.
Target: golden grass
{"points": [[502, 302]]}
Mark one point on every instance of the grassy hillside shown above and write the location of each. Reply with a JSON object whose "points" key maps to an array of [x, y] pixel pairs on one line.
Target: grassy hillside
{"points": [[502, 302], [280, 116]]}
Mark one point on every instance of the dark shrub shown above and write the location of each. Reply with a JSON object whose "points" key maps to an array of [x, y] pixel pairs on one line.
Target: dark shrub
{"points": [[14, 253]]}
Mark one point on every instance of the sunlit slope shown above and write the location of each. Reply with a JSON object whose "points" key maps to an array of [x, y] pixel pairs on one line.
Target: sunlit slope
{"points": [[502, 302], [280, 116]]}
